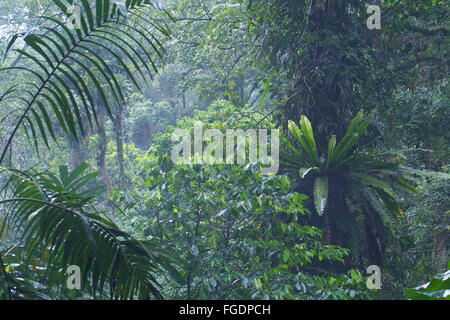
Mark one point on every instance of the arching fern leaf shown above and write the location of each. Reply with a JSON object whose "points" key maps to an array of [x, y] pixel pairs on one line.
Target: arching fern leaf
{"points": [[71, 73], [59, 62], [55, 215]]}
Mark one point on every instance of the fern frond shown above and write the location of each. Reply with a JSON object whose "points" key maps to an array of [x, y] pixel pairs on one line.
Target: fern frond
{"points": [[54, 214], [60, 61]]}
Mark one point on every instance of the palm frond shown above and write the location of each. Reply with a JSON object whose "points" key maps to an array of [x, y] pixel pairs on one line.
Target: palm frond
{"points": [[60, 61], [57, 220]]}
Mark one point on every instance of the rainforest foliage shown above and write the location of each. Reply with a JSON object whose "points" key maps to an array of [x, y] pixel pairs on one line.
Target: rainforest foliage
{"points": [[92, 93]]}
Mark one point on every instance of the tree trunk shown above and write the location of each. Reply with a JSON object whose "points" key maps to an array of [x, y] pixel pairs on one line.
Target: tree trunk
{"points": [[118, 130], [75, 152], [103, 147], [79, 150], [327, 227], [440, 256]]}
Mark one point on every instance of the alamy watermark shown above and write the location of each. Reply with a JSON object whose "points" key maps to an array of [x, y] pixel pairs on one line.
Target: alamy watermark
{"points": [[74, 11], [374, 21], [74, 279], [190, 149], [374, 281]]}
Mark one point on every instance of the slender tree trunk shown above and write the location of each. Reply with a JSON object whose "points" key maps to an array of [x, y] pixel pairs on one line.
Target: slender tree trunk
{"points": [[103, 147], [75, 152], [79, 148], [327, 227], [118, 130], [439, 255]]}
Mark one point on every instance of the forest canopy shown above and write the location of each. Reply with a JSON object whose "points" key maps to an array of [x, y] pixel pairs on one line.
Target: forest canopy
{"points": [[224, 149]]}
